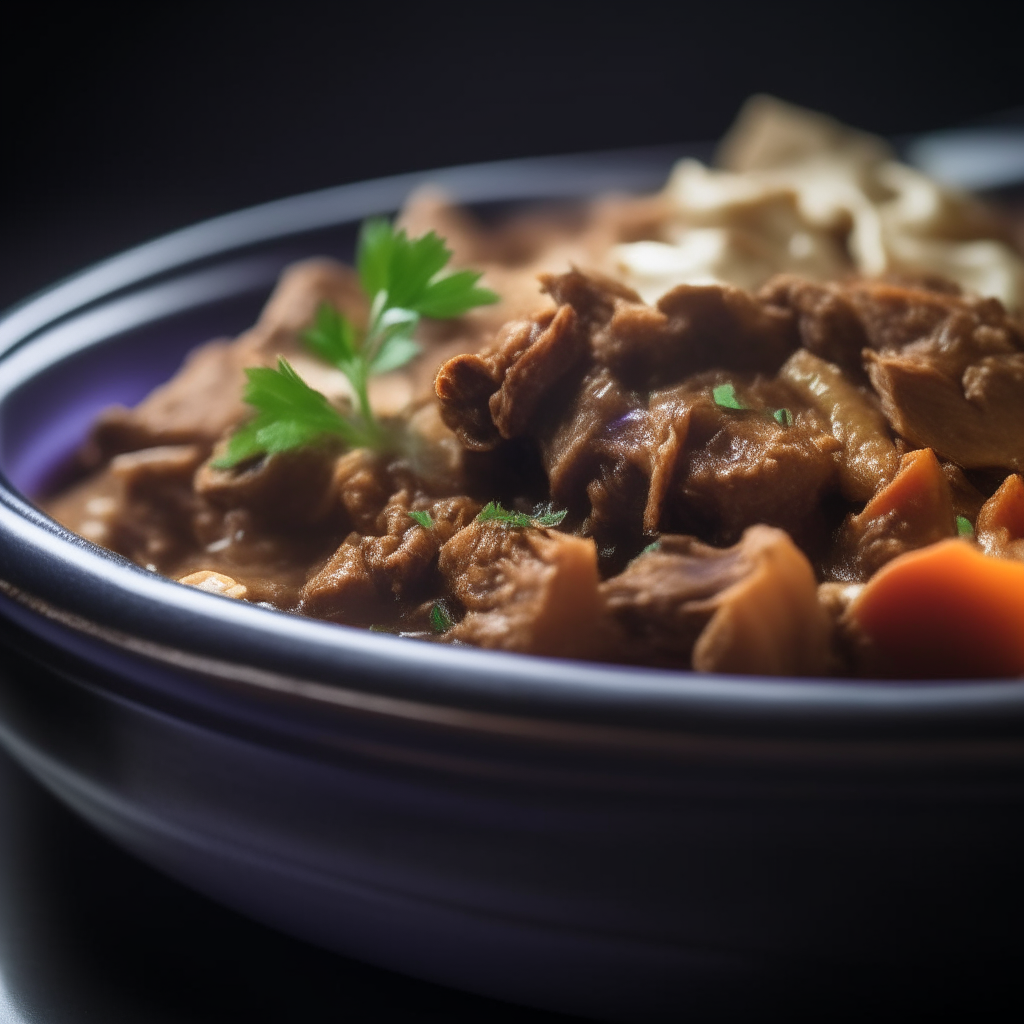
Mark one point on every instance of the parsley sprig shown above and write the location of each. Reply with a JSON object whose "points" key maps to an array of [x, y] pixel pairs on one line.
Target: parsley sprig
{"points": [[403, 280]]}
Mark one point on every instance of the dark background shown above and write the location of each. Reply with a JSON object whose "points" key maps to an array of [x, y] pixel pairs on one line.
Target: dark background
{"points": [[117, 128]]}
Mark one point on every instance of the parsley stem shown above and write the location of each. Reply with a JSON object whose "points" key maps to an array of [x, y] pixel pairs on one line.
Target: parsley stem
{"points": [[360, 384]]}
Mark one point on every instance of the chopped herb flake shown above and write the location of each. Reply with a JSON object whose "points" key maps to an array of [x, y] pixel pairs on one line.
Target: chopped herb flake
{"points": [[963, 527], [653, 546], [551, 518], [424, 519], [493, 512], [440, 620], [725, 396], [783, 417]]}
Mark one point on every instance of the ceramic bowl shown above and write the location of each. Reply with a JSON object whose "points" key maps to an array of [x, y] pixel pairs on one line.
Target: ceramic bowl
{"points": [[621, 843]]}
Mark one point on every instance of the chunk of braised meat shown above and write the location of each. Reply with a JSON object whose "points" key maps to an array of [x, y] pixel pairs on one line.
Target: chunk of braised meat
{"points": [[895, 315], [594, 297], [577, 382], [751, 608], [837, 320], [362, 486], [274, 518], [1000, 525], [602, 422], [835, 600], [827, 321], [948, 368], [140, 506], [949, 371], [552, 351], [429, 462], [368, 578], [288, 490], [534, 591], [693, 328], [597, 460], [264, 521], [464, 386], [496, 394], [204, 398], [720, 470], [152, 522], [971, 417], [197, 405], [914, 510]]}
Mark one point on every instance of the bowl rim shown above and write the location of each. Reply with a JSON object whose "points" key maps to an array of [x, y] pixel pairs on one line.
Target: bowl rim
{"points": [[59, 577]]}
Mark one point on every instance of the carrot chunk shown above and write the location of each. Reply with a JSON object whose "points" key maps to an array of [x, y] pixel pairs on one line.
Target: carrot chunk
{"points": [[1000, 526], [913, 510], [944, 611], [919, 491]]}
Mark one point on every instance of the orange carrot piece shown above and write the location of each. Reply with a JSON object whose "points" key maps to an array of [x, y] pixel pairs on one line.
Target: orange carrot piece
{"points": [[1004, 510], [945, 611], [918, 491]]}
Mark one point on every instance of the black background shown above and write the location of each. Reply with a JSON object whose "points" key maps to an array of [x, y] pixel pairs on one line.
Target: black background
{"points": [[117, 127]]}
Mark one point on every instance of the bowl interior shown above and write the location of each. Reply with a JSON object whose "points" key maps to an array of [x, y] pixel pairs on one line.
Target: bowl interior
{"points": [[113, 333]]}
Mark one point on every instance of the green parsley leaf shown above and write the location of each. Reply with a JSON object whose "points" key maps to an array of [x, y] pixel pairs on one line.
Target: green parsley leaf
{"points": [[389, 261], [289, 414], [394, 353], [454, 295], [440, 619], [551, 518], [332, 337], [725, 396], [389, 343], [401, 278], [424, 519], [493, 512], [783, 417], [373, 255], [964, 527]]}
